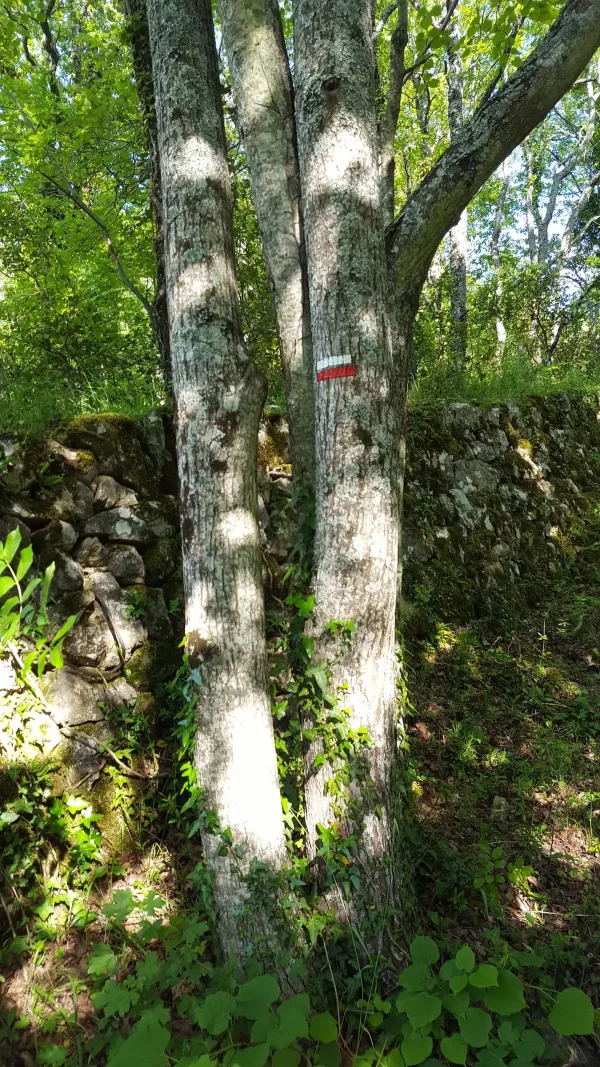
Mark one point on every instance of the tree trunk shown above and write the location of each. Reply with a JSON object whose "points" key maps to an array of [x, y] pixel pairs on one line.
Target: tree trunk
{"points": [[496, 234], [264, 101], [218, 396], [141, 56], [389, 121], [458, 233], [356, 427]]}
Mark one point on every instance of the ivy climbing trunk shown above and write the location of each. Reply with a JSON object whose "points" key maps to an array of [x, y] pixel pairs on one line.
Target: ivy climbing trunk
{"points": [[264, 101], [218, 396], [356, 465]]}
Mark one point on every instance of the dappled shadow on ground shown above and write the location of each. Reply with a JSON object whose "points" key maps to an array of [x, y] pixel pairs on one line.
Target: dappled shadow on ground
{"points": [[504, 734]]}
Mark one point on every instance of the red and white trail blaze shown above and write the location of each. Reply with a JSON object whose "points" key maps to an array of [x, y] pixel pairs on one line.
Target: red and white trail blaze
{"points": [[335, 367]]}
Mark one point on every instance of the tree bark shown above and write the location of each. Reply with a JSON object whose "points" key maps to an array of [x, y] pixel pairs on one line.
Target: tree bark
{"points": [[264, 101], [458, 233], [135, 11], [356, 484], [218, 396]]}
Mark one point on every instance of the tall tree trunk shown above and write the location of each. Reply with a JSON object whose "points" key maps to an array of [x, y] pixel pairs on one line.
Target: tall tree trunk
{"points": [[458, 234], [356, 424], [137, 25], [496, 234], [219, 396], [264, 101], [389, 121]]}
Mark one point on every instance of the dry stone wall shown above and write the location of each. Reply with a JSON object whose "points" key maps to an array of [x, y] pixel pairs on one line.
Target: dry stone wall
{"points": [[99, 499], [492, 496]]}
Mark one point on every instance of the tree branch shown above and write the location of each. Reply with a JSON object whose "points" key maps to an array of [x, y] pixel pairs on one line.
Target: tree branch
{"points": [[497, 127], [389, 122], [69, 191]]}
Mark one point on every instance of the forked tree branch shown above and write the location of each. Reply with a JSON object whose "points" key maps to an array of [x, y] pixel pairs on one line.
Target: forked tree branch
{"points": [[497, 127]]}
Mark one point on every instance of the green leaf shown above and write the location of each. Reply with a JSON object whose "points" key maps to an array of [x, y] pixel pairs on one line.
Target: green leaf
{"points": [[424, 950], [285, 1057], [415, 1049], [454, 1048], [64, 629], [459, 982], [102, 961], [530, 1046], [30, 588], [572, 1013], [121, 905], [458, 1003], [323, 1027], [475, 1027], [416, 977], [329, 1056], [145, 1045], [393, 1058], [214, 1014], [256, 995], [508, 997], [25, 561], [6, 584], [255, 1056], [11, 545], [448, 970], [484, 977], [423, 1009], [465, 959]]}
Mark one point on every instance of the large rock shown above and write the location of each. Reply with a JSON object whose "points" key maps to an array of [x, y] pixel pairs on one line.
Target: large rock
{"points": [[72, 700], [74, 502], [91, 643], [161, 560], [92, 553], [110, 494], [68, 575], [114, 442], [130, 630], [75, 463], [57, 534], [120, 524], [139, 525], [125, 562]]}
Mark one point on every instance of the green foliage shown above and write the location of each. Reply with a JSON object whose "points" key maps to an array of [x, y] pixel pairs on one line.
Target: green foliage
{"points": [[23, 613], [217, 1016]]}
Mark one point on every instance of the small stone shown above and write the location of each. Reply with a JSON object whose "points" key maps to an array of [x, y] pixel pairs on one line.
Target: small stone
{"points": [[109, 494], [499, 809], [92, 553], [125, 562]]}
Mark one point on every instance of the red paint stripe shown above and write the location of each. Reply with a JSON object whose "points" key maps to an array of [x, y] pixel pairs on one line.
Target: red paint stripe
{"points": [[336, 372]]}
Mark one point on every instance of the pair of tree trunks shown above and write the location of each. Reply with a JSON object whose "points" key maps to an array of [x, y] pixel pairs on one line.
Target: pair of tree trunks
{"points": [[364, 284]]}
